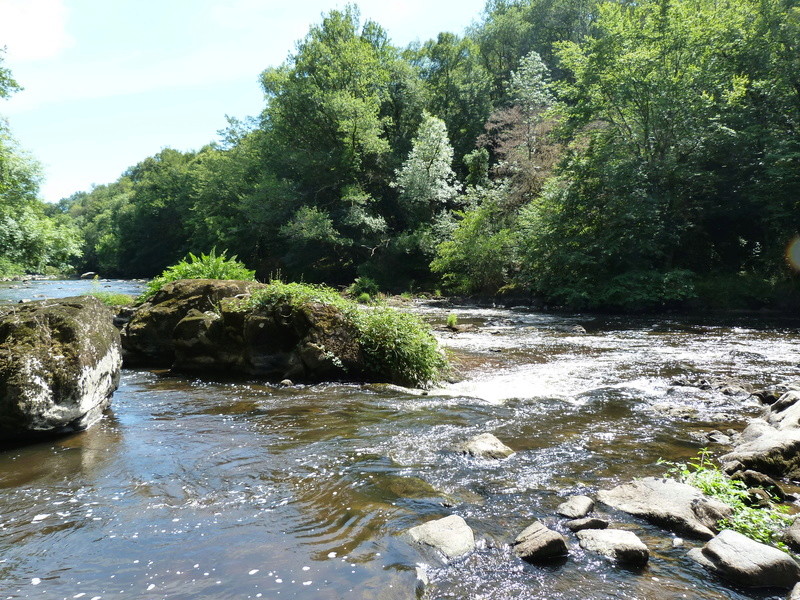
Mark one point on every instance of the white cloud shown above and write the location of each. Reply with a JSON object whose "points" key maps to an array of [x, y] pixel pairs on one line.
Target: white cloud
{"points": [[33, 29]]}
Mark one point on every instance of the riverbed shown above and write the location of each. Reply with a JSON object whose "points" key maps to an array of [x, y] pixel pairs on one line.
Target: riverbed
{"points": [[191, 489]]}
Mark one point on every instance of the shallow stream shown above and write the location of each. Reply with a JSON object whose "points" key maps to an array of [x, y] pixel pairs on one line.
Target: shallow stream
{"points": [[193, 489]]}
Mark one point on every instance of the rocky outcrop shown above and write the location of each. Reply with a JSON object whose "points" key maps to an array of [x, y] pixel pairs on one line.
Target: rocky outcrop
{"points": [[747, 562], [576, 507], [676, 506], [207, 326], [451, 536], [617, 544], [485, 445], [59, 364], [770, 445], [538, 543], [147, 338]]}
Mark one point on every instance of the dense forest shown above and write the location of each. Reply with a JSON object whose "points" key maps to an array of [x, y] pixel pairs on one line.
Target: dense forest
{"points": [[583, 153]]}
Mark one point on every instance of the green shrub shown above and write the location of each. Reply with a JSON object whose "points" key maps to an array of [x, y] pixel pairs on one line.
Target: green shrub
{"points": [[761, 524], [297, 295], [113, 299], [364, 298], [399, 344], [452, 320], [205, 266], [396, 345], [363, 285]]}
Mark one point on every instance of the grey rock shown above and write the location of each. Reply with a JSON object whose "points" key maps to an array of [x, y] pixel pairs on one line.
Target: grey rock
{"points": [[576, 507], [618, 544], [485, 445], [776, 452], [587, 523], [792, 535], [795, 593], [747, 562], [755, 479], [59, 364], [451, 536], [677, 506], [537, 543]]}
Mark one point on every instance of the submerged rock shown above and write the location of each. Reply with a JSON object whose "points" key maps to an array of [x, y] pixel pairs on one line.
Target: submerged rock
{"points": [[537, 543], [576, 507], [677, 506], [451, 536], [485, 445], [747, 562], [618, 544], [59, 364]]}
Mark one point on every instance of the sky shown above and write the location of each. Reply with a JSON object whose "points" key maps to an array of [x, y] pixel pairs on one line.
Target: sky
{"points": [[108, 83]]}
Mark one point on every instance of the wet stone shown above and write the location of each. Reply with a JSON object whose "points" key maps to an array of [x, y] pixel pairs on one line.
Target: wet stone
{"points": [[587, 523], [537, 543], [576, 507], [747, 562], [450, 535], [617, 544], [485, 445]]}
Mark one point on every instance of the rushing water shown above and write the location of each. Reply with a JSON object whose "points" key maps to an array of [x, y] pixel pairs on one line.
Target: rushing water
{"points": [[194, 489]]}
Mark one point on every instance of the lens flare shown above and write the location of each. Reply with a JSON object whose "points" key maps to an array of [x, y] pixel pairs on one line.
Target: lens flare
{"points": [[793, 253]]}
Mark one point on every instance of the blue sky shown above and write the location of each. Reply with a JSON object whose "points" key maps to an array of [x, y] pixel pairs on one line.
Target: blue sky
{"points": [[110, 82]]}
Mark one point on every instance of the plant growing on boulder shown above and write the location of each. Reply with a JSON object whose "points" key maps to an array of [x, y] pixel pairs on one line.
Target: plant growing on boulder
{"points": [[205, 266], [761, 524], [398, 346]]}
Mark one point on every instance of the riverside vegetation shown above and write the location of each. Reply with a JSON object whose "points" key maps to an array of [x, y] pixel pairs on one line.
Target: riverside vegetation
{"points": [[588, 154]]}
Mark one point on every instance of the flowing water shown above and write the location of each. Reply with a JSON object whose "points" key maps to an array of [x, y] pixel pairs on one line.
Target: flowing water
{"points": [[215, 489]]}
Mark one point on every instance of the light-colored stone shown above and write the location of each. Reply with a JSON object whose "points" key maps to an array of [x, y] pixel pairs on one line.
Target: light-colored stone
{"points": [[618, 544], [485, 445], [677, 506], [576, 507], [59, 364], [747, 562], [450, 535], [537, 542], [795, 593]]}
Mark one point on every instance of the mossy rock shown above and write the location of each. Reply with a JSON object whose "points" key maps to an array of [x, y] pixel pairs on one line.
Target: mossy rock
{"points": [[59, 364]]}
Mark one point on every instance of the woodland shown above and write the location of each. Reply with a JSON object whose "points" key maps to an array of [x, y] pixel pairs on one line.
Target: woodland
{"points": [[577, 153]]}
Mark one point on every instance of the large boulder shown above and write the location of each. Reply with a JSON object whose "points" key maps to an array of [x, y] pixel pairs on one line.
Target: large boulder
{"points": [[201, 325], [538, 543], [677, 506], [747, 562], [617, 544], [770, 445], [59, 364], [147, 338], [451, 536]]}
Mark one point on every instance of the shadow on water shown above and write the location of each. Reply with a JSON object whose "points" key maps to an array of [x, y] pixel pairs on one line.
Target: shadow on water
{"points": [[216, 489]]}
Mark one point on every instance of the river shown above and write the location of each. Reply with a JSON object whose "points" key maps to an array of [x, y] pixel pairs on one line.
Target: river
{"points": [[197, 489]]}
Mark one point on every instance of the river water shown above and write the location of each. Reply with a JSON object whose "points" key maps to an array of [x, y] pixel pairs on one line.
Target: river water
{"points": [[193, 489]]}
